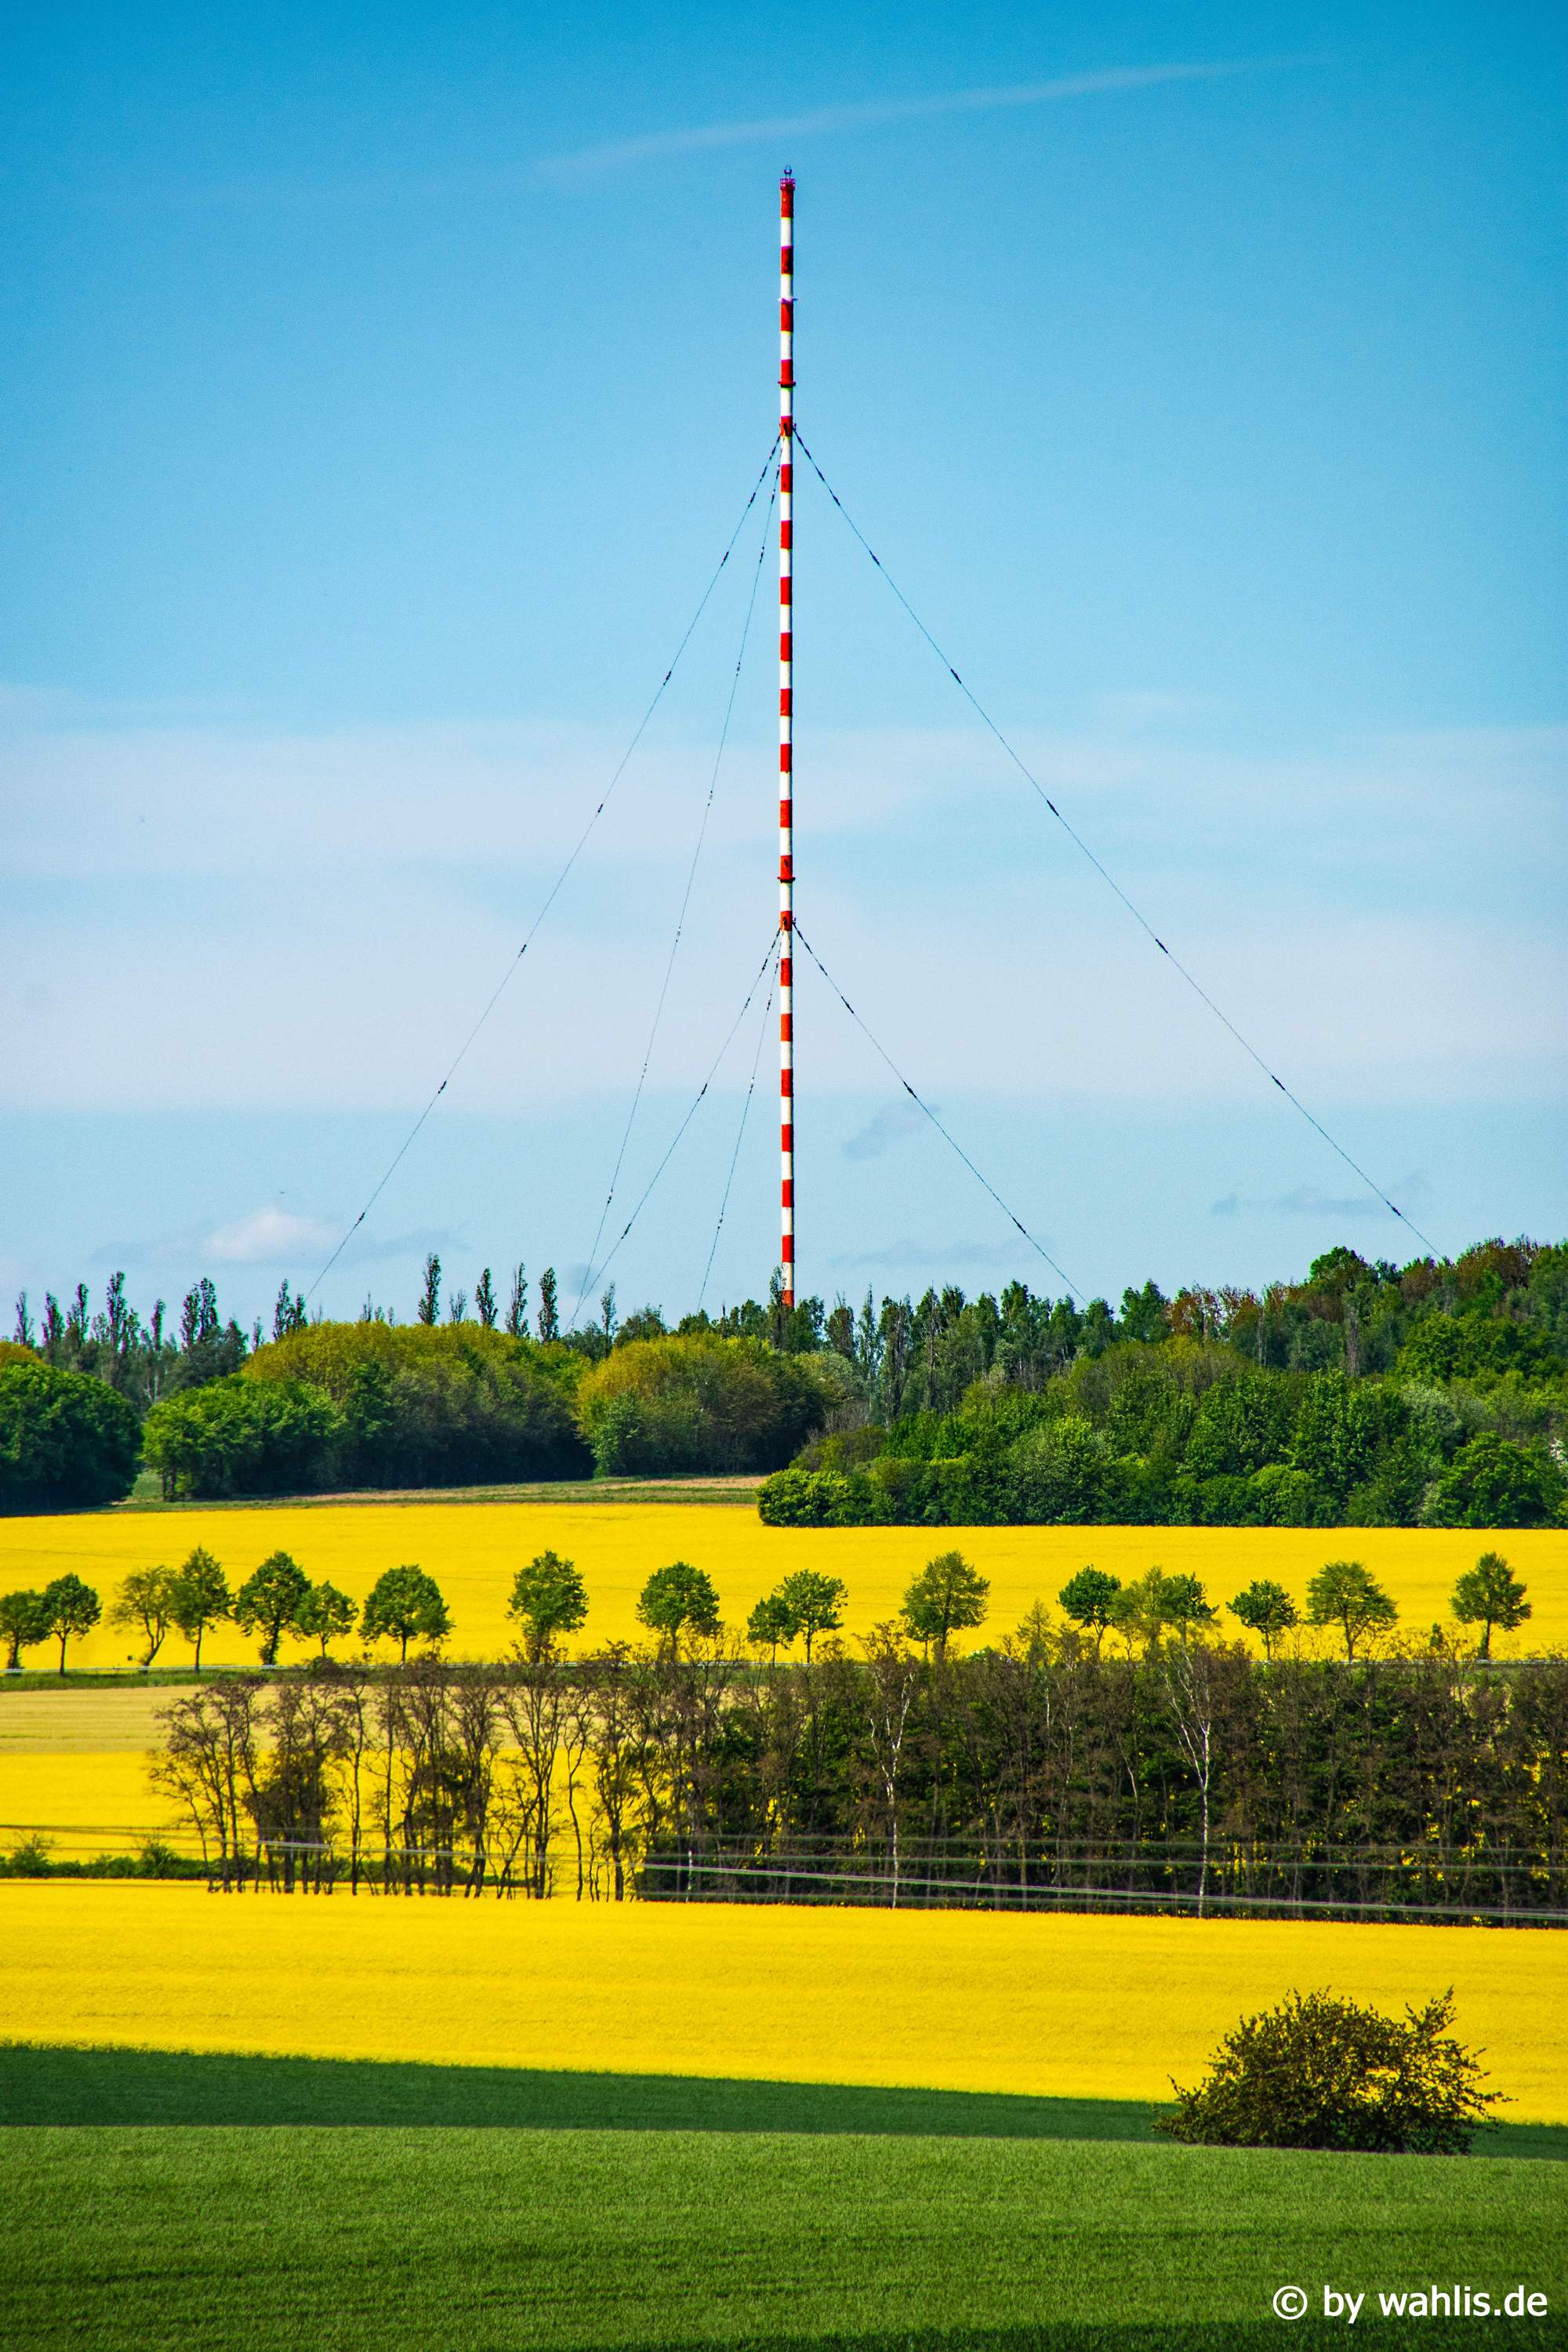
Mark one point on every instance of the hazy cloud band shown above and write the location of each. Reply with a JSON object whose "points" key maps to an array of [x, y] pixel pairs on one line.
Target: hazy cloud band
{"points": [[615, 154]]}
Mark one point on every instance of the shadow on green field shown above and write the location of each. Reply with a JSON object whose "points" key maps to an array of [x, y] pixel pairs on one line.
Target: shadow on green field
{"points": [[46, 2084]]}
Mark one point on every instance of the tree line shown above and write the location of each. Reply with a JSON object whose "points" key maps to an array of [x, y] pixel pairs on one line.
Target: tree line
{"points": [[1178, 1774], [549, 1601], [278, 1598], [1434, 1393]]}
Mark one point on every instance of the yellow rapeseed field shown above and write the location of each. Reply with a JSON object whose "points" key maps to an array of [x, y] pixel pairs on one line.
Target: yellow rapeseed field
{"points": [[472, 1550], [1075, 2006], [76, 1759], [59, 1795]]}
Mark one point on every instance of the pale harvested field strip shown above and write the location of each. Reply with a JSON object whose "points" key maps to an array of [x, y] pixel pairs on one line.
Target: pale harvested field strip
{"points": [[1079, 2007], [72, 1722], [473, 1551]]}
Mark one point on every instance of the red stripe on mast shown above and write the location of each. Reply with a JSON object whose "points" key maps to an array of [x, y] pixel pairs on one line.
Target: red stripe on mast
{"points": [[787, 733]]}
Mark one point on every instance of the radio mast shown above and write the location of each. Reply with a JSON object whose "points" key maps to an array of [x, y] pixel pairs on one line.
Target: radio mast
{"points": [[786, 736]]}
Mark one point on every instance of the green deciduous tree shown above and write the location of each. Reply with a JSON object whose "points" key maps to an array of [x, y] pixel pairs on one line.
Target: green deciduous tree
{"points": [[71, 1609], [548, 1598], [1492, 1482], [1183, 1605], [1267, 1609], [67, 1441], [1138, 1612], [267, 1602], [697, 1401], [947, 1597], [772, 1624], [1090, 1600], [324, 1614], [677, 1600], [242, 1436], [405, 1605], [1488, 1595], [144, 1600], [1317, 2071], [199, 1597], [24, 1624], [1345, 1594], [815, 1602]]}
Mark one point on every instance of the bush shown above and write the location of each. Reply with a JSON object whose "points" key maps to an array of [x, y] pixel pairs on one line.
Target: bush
{"points": [[357, 1403], [1064, 1469], [699, 1402], [434, 1404], [237, 1436], [1318, 2071], [806, 1498], [1494, 1482], [66, 1442]]}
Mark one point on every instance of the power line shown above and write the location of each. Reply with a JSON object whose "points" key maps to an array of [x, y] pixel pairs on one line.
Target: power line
{"points": [[1107, 876], [739, 1139], [952, 1140], [686, 896], [596, 1273], [624, 764]]}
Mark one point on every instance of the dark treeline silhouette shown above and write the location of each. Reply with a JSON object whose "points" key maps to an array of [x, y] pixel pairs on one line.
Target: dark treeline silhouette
{"points": [[1435, 1393], [1042, 1771]]}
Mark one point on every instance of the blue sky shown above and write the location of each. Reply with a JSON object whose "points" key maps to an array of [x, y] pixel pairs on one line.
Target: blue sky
{"points": [[384, 386]]}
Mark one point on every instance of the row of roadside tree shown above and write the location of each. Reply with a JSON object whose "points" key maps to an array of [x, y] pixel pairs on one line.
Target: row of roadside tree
{"points": [[549, 1602]]}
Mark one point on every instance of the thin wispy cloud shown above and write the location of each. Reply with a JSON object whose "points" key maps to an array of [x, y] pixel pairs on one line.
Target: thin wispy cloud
{"points": [[873, 113], [919, 1257], [891, 1125], [1311, 1201]]}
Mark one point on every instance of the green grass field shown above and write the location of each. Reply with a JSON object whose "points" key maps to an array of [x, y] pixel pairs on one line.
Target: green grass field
{"points": [[600, 2210]]}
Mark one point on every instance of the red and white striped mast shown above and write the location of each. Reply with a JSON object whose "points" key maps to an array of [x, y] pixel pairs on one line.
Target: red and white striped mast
{"points": [[786, 736]]}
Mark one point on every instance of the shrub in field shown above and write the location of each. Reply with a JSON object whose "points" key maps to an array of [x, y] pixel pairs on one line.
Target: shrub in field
{"points": [[1318, 2072], [67, 1441]]}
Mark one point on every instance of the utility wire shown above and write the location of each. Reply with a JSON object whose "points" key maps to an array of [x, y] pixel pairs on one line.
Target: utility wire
{"points": [[685, 896], [949, 1140], [1107, 876], [598, 1272], [624, 762], [740, 1138]]}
